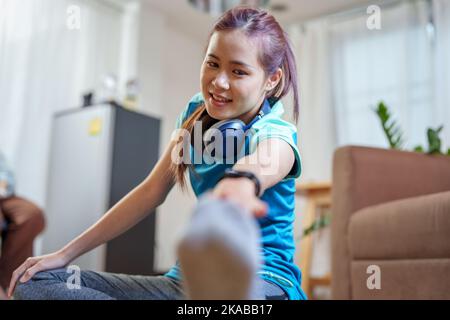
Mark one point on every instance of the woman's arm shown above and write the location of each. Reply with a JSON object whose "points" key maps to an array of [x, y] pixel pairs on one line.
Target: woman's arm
{"points": [[271, 162], [125, 214]]}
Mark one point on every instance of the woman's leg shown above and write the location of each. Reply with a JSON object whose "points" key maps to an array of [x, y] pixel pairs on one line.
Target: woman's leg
{"points": [[59, 285]]}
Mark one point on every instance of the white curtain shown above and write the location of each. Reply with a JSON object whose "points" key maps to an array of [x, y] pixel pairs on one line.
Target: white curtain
{"points": [[394, 65], [345, 69], [45, 67]]}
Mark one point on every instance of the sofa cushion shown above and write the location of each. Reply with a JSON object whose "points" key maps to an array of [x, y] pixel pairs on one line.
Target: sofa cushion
{"points": [[400, 279], [412, 228]]}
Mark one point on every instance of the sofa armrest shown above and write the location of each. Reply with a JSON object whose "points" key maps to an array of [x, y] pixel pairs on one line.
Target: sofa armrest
{"points": [[364, 177], [412, 228]]}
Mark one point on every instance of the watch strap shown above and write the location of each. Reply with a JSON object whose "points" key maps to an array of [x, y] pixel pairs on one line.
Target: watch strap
{"points": [[231, 173]]}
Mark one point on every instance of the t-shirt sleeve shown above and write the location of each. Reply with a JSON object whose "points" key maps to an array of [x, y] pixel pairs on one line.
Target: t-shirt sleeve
{"points": [[278, 128], [191, 106]]}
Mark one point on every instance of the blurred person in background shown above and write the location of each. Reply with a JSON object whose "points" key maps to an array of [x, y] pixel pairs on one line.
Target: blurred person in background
{"points": [[20, 222]]}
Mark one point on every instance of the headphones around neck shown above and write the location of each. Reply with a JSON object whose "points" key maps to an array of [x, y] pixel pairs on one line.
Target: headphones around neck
{"points": [[233, 133]]}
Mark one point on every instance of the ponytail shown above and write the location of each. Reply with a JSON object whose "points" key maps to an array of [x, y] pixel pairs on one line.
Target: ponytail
{"points": [[177, 170], [290, 71]]}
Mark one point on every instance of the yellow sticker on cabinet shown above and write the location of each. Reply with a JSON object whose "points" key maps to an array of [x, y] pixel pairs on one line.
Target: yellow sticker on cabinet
{"points": [[95, 127]]}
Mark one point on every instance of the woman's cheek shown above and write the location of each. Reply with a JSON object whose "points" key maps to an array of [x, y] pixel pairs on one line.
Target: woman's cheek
{"points": [[204, 77]]}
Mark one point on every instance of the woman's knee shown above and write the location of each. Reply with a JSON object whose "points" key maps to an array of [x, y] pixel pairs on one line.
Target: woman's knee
{"points": [[24, 291], [32, 289]]}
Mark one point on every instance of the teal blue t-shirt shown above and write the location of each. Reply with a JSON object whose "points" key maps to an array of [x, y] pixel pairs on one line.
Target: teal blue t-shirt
{"points": [[277, 243]]}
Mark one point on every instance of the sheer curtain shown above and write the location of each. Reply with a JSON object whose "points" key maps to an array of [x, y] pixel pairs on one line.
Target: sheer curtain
{"points": [[442, 66], [345, 69], [46, 67], [394, 64]]}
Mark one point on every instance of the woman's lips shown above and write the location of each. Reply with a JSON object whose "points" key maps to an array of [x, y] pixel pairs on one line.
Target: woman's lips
{"points": [[218, 103]]}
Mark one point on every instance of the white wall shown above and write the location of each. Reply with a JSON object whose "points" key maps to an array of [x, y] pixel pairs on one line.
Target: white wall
{"points": [[129, 46], [168, 69]]}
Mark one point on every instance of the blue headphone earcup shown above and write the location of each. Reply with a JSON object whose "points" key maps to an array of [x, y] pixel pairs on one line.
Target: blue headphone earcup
{"points": [[226, 139]]}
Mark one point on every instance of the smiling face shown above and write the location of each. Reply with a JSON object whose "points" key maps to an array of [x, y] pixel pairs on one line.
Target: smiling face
{"points": [[232, 79]]}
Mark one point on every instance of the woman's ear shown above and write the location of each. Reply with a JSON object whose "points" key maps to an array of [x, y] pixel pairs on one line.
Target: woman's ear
{"points": [[274, 79]]}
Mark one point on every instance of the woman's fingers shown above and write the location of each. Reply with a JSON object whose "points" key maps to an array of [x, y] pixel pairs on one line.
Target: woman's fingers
{"points": [[34, 265], [235, 190], [31, 272], [260, 209], [18, 273], [255, 206]]}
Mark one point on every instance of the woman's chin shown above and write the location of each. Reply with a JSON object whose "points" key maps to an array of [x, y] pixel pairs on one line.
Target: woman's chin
{"points": [[215, 114]]}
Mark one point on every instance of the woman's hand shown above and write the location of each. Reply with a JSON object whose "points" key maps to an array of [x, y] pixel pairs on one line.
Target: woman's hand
{"points": [[241, 191], [33, 265]]}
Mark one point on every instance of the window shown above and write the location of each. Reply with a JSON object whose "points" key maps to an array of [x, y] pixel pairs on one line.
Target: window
{"points": [[394, 65]]}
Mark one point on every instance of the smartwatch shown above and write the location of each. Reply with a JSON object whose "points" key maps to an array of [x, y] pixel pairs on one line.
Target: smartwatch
{"points": [[231, 173]]}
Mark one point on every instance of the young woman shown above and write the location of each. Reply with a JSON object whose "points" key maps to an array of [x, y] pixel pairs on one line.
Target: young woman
{"points": [[248, 67]]}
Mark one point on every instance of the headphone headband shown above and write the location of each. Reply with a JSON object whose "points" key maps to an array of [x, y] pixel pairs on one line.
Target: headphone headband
{"points": [[237, 124], [265, 109], [235, 130]]}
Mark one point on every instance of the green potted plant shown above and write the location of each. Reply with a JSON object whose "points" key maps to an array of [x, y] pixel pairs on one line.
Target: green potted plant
{"points": [[394, 133]]}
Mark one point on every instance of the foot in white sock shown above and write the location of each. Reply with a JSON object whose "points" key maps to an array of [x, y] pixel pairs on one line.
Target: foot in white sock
{"points": [[219, 251]]}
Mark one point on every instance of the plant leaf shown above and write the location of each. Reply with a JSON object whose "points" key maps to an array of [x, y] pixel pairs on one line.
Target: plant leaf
{"points": [[390, 127], [434, 142]]}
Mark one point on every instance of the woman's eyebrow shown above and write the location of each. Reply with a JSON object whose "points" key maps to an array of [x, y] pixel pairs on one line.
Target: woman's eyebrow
{"points": [[233, 61]]}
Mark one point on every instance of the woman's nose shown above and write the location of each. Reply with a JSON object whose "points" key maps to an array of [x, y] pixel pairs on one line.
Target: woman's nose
{"points": [[221, 81]]}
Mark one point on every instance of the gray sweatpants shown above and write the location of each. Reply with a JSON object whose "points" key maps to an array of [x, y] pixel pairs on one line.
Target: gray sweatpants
{"points": [[53, 285]]}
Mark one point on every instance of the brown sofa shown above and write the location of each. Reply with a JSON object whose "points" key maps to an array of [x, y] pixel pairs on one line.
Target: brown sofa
{"points": [[390, 209]]}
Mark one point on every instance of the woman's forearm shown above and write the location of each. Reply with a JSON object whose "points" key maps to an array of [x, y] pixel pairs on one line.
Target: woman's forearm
{"points": [[125, 214], [271, 162]]}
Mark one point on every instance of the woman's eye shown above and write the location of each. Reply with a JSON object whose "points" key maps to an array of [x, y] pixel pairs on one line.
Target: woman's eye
{"points": [[240, 72], [211, 64]]}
